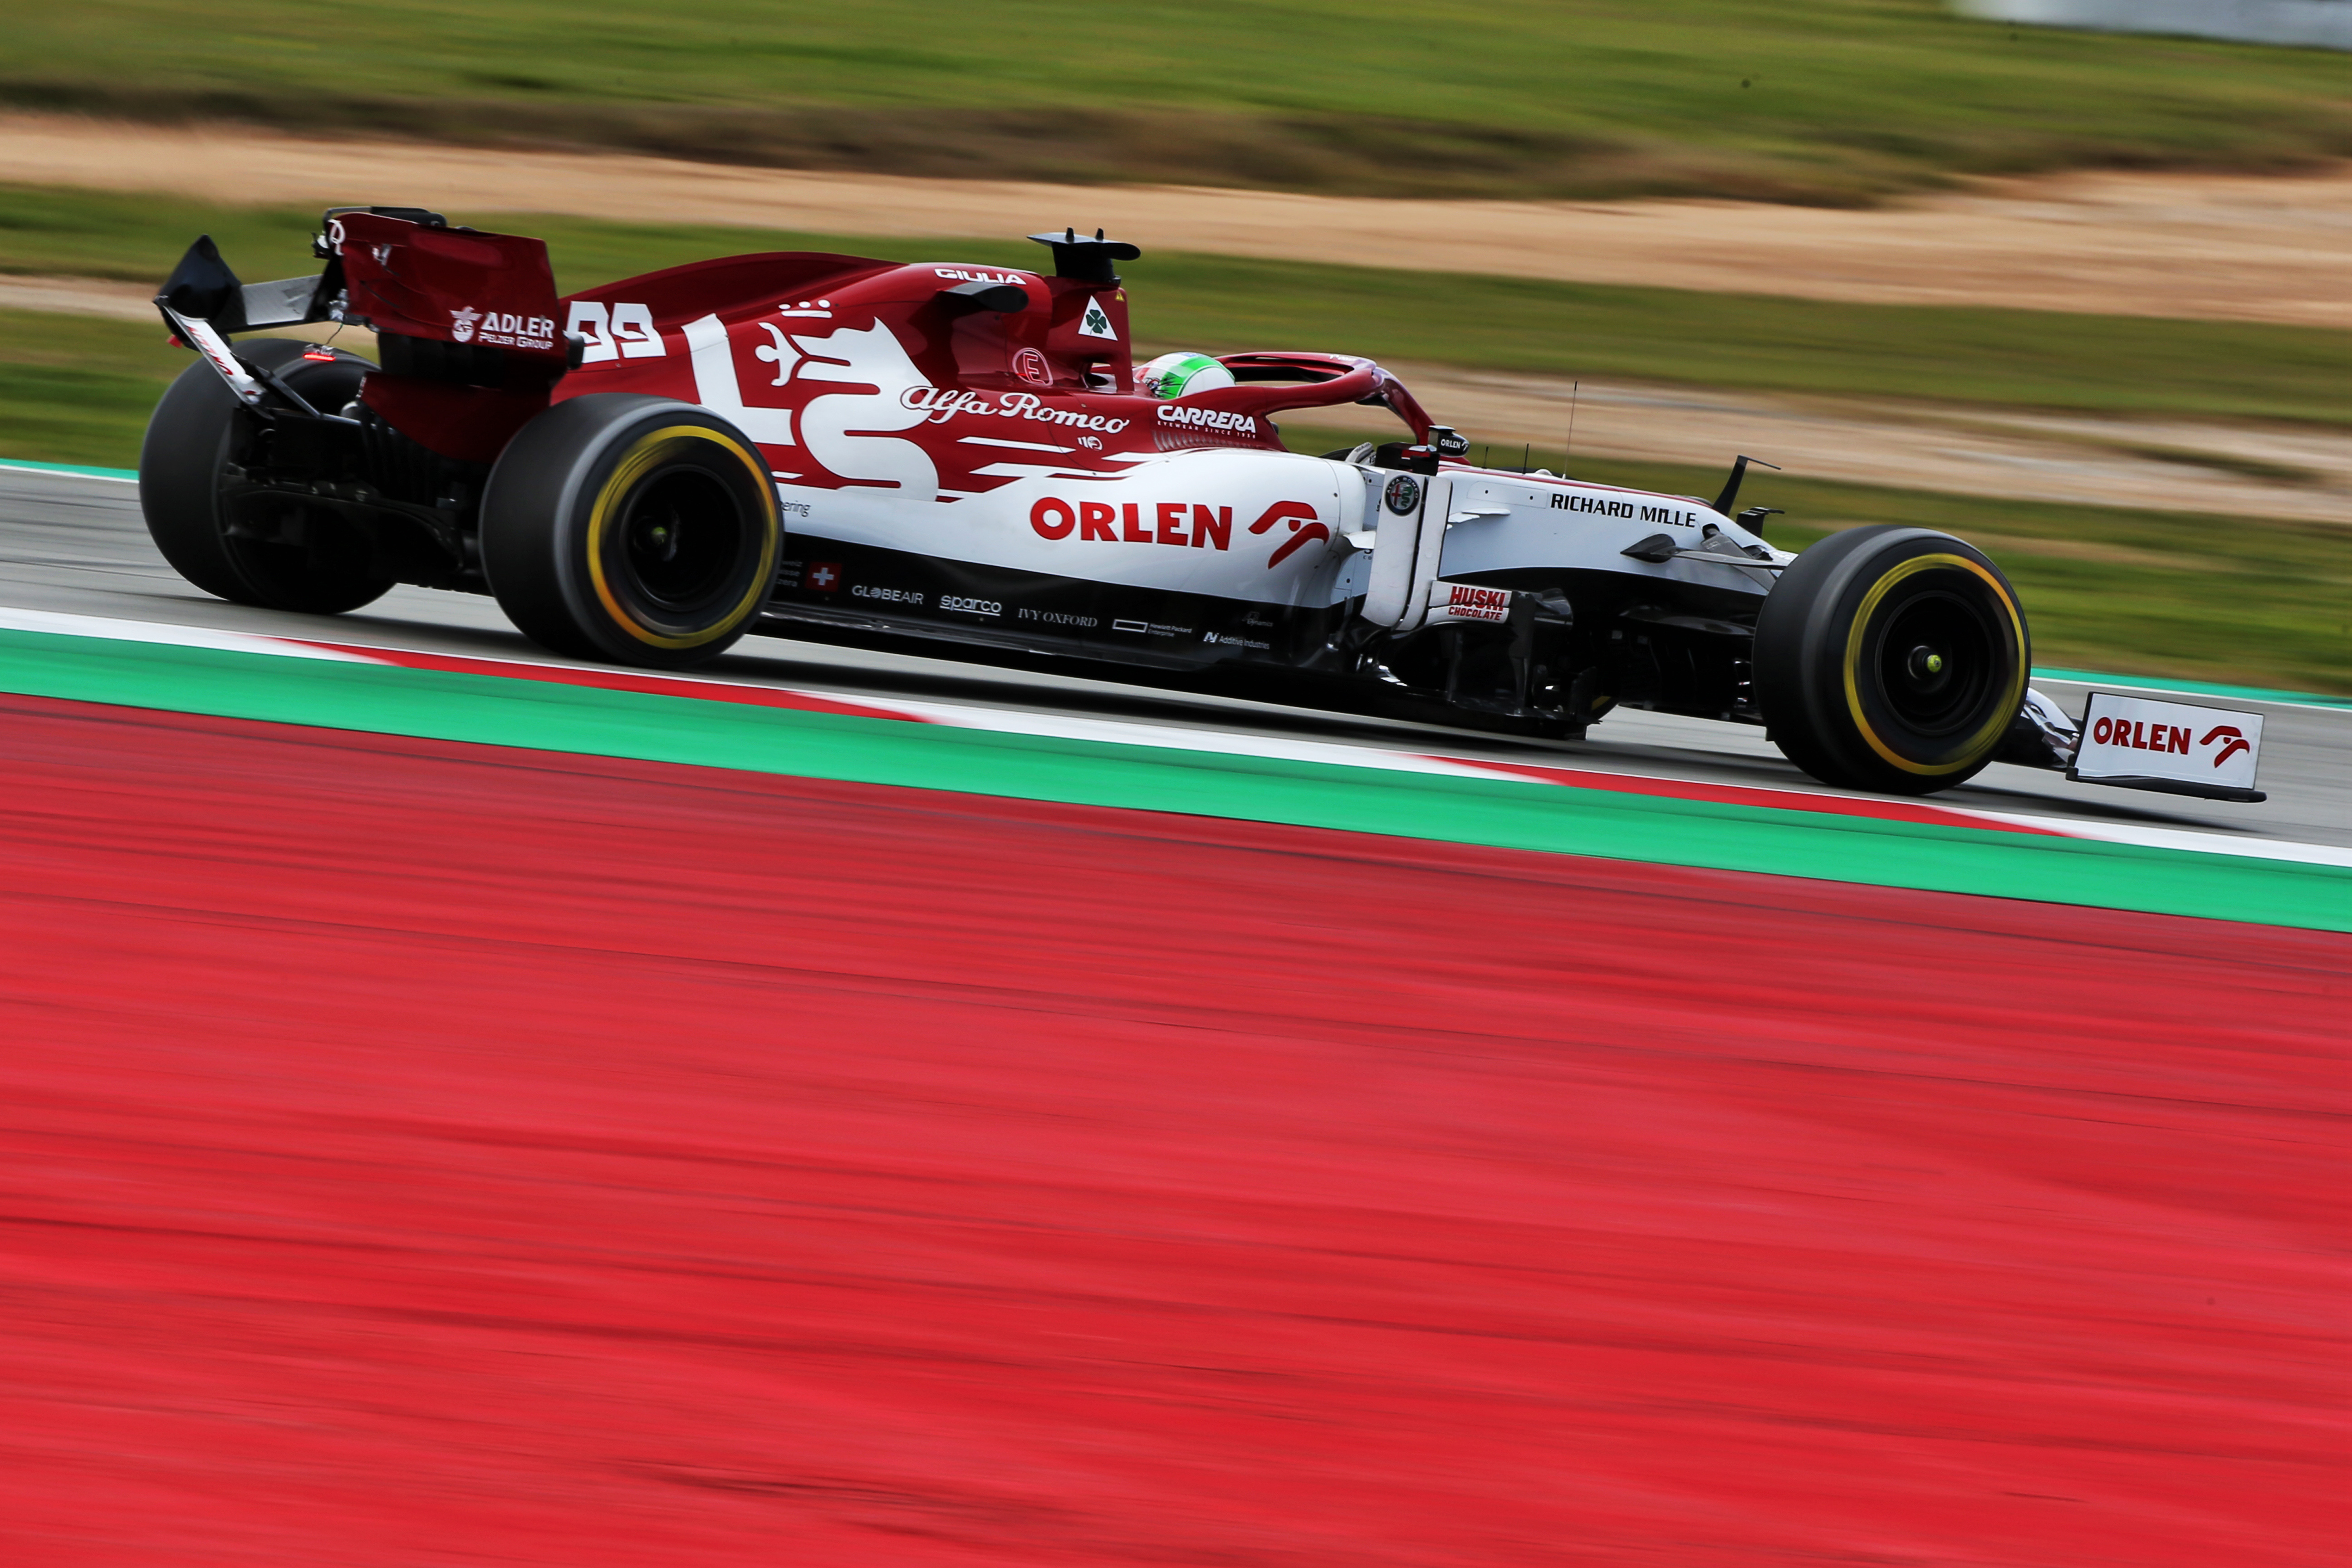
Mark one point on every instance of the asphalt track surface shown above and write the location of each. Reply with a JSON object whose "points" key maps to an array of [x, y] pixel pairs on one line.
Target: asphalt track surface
{"points": [[77, 545], [427, 1152]]}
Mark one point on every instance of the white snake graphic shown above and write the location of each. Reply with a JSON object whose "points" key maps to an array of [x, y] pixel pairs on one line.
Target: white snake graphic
{"points": [[847, 431]]}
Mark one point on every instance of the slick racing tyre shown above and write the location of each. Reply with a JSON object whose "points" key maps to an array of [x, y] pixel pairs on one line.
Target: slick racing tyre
{"points": [[1891, 658], [635, 529], [196, 432]]}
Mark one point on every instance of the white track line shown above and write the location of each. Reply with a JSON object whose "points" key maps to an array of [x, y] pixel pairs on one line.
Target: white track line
{"points": [[1013, 722], [2057, 826], [1172, 737], [2182, 838], [57, 623]]}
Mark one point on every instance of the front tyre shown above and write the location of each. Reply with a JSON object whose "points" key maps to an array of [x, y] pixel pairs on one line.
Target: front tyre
{"points": [[634, 529], [1891, 658]]}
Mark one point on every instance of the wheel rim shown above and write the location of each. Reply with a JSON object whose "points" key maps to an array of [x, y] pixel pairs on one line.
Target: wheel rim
{"points": [[1935, 664], [1937, 658], [682, 534], [683, 538]]}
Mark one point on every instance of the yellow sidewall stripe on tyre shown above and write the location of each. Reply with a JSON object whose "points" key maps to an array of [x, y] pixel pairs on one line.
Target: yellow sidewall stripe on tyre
{"points": [[631, 467], [2002, 714]]}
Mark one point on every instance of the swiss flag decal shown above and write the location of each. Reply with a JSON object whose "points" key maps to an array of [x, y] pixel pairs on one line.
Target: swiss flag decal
{"points": [[824, 576]]}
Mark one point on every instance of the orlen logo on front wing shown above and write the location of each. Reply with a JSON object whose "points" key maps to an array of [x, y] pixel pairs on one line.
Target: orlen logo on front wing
{"points": [[1172, 523], [2141, 736]]}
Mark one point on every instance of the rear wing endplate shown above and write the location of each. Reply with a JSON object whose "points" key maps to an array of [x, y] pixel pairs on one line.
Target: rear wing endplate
{"points": [[202, 301], [198, 334], [203, 287]]}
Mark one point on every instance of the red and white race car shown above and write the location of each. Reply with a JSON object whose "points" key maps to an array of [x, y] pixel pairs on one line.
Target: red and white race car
{"points": [[838, 448]]}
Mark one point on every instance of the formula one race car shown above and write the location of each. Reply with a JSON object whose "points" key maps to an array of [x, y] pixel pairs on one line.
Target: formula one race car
{"points": [[834, 448]]}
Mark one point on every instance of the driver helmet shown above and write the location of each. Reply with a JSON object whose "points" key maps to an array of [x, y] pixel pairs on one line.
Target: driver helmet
{"points": [[1181, 375]]}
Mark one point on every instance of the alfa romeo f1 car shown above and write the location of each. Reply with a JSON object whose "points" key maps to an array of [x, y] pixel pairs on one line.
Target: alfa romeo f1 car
{"points": [[836, 448]]}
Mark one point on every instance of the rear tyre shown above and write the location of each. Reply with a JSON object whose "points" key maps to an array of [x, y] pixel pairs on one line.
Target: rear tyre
{"points": [[1891, 658], [635, 529], [195, 433]]}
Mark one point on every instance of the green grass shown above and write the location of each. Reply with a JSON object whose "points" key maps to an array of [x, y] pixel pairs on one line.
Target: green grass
{"points": [[2003, 358], [2254, 601], [1811, 100], [75, 389]]}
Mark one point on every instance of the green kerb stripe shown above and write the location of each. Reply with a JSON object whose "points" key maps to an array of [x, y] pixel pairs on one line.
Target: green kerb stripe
{"points": [[2193, 688], [489, 710], [77, 470]]}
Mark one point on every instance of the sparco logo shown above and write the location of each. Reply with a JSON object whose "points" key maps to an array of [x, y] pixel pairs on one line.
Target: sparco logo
{"points": [[461, 324]]}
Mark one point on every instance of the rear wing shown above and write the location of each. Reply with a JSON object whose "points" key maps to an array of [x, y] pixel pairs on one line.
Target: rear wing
{"points": [[441, 300]]}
